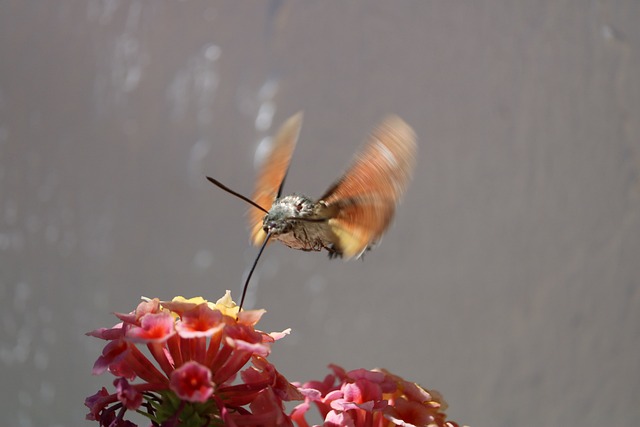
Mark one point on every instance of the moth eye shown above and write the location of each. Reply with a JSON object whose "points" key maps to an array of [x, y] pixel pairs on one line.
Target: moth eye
{"points": [[299, 207]]}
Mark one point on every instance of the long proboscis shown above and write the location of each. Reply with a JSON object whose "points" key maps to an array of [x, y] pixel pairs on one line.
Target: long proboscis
{"points": [[235, 193], [253, 267]]}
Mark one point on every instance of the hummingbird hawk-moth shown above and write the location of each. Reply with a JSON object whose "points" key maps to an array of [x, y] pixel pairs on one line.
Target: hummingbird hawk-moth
{"points": [[352, 214]]}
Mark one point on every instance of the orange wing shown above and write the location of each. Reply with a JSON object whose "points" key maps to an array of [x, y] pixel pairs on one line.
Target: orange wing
{"points": [[364, 200], [272, 173]]}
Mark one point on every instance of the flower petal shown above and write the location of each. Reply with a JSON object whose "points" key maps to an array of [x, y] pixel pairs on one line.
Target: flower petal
{"points": [[227, 306]]}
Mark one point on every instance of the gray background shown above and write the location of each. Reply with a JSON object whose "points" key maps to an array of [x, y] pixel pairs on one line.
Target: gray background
{"points": [[509, 280]]}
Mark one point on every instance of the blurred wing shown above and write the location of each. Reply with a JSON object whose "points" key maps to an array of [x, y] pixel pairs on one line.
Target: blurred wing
{"points": [[364, 200], [272, 174]]}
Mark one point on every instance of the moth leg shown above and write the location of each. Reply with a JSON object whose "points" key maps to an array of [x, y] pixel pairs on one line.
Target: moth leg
{"points": [[334, 252]]}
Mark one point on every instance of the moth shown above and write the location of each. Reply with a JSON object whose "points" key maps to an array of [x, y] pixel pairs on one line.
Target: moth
{"points": [[352, 215]]}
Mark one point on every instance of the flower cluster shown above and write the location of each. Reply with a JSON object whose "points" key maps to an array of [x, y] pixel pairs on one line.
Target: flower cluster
{"points": [[182, 363], [189, 377], [371, 398]]}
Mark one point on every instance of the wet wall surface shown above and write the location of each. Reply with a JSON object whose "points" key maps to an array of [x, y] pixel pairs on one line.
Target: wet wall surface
{"points": [[509, 280]]}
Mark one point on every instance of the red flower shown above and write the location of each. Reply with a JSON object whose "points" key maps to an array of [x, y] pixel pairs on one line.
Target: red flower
{"points": [[192, 382], [200, 348]]}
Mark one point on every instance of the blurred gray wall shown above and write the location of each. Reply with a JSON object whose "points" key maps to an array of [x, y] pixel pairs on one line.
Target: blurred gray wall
{"points": [[510, 280]]}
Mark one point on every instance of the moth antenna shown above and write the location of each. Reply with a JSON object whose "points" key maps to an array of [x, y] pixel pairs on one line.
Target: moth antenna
{"points": [[253, 267], [238, 195]]}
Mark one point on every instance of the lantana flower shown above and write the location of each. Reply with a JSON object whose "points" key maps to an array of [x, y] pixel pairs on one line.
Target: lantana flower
{"points": [[193, 363], [371, 398], [188, 375]]}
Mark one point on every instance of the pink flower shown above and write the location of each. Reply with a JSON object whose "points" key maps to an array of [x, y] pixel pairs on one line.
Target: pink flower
{"points": [[200, 321], [371, 398], [190, 362], [192, 382], [197, 349], [154, 327]]}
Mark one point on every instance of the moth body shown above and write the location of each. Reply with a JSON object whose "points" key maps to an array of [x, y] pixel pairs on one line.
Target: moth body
{"points": [[299, 223]]}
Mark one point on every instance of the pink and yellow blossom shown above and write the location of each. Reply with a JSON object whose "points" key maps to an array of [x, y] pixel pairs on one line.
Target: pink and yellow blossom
{"points": [[190, 362], [195, 355]]}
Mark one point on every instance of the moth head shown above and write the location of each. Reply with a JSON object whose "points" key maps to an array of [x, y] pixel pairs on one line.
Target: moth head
{"points": [[285, 211]]}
